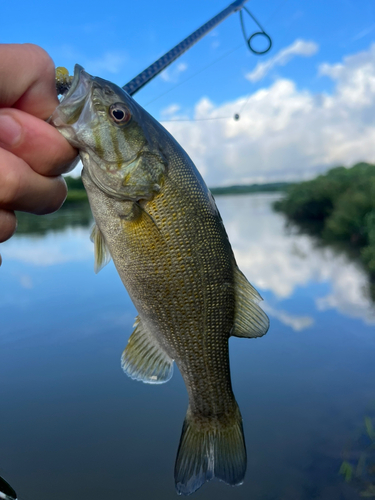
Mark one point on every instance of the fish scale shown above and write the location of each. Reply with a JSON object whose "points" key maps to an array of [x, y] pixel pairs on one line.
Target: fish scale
{"points": [[207, 345], [158, 221]]}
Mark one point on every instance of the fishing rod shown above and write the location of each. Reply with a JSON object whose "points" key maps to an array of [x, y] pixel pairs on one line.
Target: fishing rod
{"points": [[158, 66], [163, 62], [63, 80]]}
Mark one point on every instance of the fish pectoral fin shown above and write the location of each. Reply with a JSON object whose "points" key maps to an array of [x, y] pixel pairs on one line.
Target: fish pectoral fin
{"points": [[143, 359], [145, 175], [250, 321], [101, 252]]}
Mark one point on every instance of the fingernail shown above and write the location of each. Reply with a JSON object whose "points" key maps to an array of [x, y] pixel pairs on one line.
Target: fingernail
{"points": [[10, 131]]}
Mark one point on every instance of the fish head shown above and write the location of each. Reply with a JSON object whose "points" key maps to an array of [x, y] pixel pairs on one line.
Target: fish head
{"points": [[117, 139]]}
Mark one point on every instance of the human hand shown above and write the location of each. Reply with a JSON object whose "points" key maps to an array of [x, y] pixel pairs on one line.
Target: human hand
{"points": [[33, 154]]}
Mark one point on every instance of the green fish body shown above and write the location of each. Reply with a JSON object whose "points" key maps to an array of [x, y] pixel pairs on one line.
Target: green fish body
{"points": [[158, 221]]}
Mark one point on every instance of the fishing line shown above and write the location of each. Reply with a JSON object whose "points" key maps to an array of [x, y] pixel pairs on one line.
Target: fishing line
{"points": [[197, 73], [248, 43], [197, 119], [237, 115], [249, 40], [277, 10]]}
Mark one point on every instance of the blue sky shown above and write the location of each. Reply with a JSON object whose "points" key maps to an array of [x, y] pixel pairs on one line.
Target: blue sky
{"points": [[309, 101]]}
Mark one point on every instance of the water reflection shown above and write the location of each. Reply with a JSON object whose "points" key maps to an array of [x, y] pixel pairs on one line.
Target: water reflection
{"points": [[358, 466], [70, 215], [284, 261], [51, 239], [273, 256], [74, 426]]}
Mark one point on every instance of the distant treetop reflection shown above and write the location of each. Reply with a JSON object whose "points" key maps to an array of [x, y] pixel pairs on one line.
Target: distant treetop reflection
{"points": [[70, 215]]}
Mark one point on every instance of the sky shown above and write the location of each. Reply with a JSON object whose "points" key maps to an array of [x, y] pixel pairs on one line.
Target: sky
{"points": [[305, 106]]}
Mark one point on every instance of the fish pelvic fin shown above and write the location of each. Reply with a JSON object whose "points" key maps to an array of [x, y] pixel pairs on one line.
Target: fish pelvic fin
{"points": [[143, 359], [250, 320], [101, 252], [209, 450]]}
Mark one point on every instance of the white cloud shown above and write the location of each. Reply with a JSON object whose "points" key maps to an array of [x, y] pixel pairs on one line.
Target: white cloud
{"points": [[181, 67], [110, 62], [26, 281], [297, 323], [364, 33], [215, 43], [298, 48], [171, 110], [285, 133], [172, 74], [284, 264], [69, 245], [76, 172]]}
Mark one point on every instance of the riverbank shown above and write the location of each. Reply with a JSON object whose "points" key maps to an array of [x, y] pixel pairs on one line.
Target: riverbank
{"points": [[337, 206], [77, 193]]}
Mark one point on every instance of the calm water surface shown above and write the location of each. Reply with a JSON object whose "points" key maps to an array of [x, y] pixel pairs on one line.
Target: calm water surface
{"points": [[73, 426]]}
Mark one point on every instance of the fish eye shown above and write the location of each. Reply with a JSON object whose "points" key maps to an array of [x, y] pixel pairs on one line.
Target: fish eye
{"points": [[120, 113]]}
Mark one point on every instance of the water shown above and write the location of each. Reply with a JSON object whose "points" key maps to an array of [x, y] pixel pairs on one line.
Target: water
{"points": [[73, 426]]}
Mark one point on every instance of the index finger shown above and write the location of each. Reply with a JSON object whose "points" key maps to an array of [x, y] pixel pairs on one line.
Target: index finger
{"points": [[31, 89]]}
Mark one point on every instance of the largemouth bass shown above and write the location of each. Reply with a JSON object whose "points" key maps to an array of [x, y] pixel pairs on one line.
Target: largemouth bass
{"points": [[158, 221]]}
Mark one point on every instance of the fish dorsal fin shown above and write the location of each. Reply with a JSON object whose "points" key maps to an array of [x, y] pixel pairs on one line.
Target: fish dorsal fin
{"points": [[250, 321], [143, 359], [101, 252]]}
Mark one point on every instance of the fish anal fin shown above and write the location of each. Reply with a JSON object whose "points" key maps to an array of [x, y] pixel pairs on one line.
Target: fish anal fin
{"points": [[208, 451], [143, 359], [101, 252], [250, 320]]}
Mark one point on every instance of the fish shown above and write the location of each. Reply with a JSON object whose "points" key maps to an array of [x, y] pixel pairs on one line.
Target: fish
{"points": [[158, 221], [6, 491]]}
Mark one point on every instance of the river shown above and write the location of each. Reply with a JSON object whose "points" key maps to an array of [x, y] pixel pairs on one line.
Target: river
{"points": [[73, 426]]}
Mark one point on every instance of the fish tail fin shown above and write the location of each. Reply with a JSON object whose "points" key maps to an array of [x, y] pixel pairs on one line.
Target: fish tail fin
{"points": [[208, 450]]}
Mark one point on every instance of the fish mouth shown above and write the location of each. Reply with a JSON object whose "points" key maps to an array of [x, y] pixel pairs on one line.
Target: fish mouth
{"points": [[80, 85], [73, 102]]}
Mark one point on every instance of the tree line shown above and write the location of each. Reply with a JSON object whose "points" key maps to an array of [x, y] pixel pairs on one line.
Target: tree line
{"points": [[339, 206]]}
